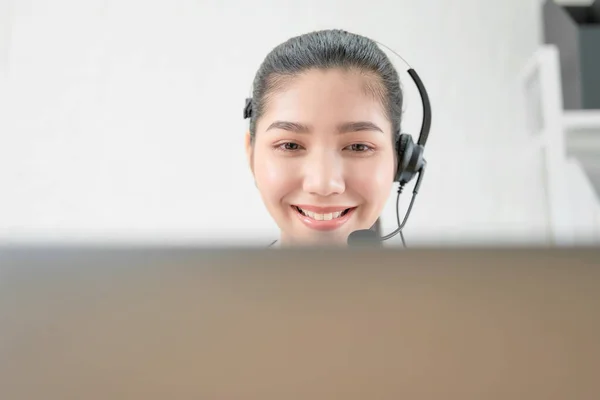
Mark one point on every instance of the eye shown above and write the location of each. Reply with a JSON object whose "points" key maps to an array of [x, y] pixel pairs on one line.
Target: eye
{"points": [[359, 148], [288, 146]]}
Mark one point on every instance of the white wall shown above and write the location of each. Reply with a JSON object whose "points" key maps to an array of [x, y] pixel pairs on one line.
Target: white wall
{"points": [[122, 119]]}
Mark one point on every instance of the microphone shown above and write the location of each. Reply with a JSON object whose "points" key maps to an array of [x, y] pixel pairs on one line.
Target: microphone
{"points": [[367, 237], [364, 237]]}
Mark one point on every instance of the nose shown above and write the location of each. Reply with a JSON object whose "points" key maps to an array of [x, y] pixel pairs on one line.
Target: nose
{"points": [[324, 174]]}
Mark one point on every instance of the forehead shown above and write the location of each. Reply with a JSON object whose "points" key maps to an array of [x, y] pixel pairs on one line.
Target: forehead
{"points": [[326, 97]]}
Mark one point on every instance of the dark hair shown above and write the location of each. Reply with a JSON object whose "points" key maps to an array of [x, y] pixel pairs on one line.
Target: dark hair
{"points": [[327, 49]]}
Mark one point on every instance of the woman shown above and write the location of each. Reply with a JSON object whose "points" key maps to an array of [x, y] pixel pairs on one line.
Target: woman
{"points": [[324, 122]]}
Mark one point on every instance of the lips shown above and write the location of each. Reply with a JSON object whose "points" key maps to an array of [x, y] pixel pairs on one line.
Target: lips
{"points": [[323, 218]]}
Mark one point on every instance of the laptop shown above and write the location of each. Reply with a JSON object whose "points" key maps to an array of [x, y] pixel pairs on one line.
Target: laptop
{"points": [[223, 324]]}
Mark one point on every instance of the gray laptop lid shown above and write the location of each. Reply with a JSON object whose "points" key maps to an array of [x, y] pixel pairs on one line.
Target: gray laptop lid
{"points": [[261, 324]]}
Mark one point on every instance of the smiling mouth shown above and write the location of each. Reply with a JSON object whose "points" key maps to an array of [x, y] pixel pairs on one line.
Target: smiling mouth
{"points": [[322, 217]]}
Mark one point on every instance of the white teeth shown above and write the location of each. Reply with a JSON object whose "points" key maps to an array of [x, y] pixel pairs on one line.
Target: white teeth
{"points": [[321, 217]]}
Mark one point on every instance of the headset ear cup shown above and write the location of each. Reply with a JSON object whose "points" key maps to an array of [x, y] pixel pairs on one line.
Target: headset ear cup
{"points": [[403, 154]]}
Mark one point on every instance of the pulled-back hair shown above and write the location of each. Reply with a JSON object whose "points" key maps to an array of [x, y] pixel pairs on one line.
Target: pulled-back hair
{"points": [[328, 49]]}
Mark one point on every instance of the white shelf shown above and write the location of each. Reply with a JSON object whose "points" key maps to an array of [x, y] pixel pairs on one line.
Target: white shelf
{"points": [[582, 134], [570, 142], [582, 120]]}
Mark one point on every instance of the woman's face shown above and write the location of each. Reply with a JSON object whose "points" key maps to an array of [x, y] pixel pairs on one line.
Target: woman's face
{"points": [[323, 157]]}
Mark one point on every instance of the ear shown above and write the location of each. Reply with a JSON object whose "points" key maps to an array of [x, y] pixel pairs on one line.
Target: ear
{"points": [[249, 151]]}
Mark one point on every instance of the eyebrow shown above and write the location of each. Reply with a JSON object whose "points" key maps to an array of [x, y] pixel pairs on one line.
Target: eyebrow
{"points": [[358, 126], [342, 128], [289, 126]]}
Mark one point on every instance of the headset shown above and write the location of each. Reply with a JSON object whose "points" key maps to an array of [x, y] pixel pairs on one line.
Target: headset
{"points": [[411, 162]]}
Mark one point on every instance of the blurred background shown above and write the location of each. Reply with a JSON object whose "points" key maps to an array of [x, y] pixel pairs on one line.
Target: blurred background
{"points": [[121, 121]]}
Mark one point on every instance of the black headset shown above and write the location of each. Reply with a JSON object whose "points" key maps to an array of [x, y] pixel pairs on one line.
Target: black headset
{"points": [[411, 161], [410, 154]]}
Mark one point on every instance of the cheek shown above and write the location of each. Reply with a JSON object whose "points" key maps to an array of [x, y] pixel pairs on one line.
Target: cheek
{"points": [[374, 180], [274, 178]]}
